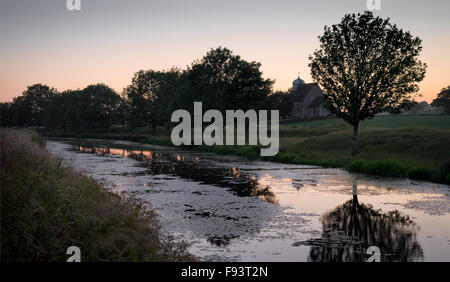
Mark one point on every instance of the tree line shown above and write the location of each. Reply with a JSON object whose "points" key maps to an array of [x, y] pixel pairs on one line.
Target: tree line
{"points": [[221, 80], [365, 65]]}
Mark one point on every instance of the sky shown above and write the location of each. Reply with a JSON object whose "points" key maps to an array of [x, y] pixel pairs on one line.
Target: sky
{"points": [[107, 41]]}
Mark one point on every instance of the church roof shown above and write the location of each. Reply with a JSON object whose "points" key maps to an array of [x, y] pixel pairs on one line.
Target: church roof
{"points": [[302, 90], [316, 102]]}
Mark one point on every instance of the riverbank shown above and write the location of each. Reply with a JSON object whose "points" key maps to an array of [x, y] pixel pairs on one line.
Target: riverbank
{"points": [[414, 147], [47, 207]]}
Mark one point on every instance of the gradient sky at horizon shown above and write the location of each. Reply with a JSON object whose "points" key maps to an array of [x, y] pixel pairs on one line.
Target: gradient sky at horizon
{"points": [[108, 41]]}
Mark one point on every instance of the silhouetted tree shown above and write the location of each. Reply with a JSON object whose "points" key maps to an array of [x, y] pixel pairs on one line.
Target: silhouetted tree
{"points": [[6, 114], [102, 104], [21, 112], [443, 100], [55, 111], [141, 95], [149, 96], [169, 83], [75, 112], [366, 65], [37, 97], [223, 81], [123, 112], [286, 104]]}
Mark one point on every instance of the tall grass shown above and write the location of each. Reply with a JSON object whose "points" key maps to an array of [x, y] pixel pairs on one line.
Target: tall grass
{"points": [[46, 207]]}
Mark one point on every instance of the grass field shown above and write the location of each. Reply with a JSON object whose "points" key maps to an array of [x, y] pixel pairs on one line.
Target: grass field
{"points": [[400, 146], [405, 146]]}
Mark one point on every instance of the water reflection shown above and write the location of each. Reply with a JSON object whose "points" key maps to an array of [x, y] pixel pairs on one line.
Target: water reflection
{"points": [[351, 228], [348, 230], [191, 167], [211, 215], [312, 202]]}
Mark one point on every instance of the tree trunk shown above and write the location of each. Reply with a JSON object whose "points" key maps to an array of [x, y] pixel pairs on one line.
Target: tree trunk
{"points": [[355, 140], [355, 195]]}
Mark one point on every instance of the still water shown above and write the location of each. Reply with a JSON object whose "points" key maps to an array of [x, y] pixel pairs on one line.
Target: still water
{"points": [[233, 209]]}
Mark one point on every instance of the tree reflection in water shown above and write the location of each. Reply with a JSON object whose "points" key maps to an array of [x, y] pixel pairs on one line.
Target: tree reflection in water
{"points": [[351, 228], [165, 165], [190, 167]]}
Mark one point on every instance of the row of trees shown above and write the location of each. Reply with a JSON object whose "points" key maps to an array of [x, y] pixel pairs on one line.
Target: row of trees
{"points": [[96, 106], [221, 80]]}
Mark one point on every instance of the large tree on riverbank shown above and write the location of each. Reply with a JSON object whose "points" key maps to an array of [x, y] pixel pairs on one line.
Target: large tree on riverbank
{"points": [[366, 65]]}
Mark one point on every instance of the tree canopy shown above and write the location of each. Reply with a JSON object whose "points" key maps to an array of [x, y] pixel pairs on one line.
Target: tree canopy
{"points": [[222, 80], [149, 96], [36, 99]]}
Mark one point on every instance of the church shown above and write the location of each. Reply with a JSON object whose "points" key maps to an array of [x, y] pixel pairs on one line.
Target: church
{"points": [[307, 100]]}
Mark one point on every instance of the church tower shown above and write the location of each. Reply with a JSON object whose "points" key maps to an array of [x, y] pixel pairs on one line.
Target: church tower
{"points": [[297, 82]]}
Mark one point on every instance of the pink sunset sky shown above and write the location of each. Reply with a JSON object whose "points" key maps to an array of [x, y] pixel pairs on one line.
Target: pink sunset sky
{"points": [[108, 41]]}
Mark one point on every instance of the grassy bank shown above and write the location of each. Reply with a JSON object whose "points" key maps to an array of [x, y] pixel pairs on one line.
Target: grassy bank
{"points": [[46, 207], [415, 147]]}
